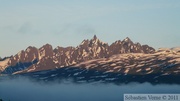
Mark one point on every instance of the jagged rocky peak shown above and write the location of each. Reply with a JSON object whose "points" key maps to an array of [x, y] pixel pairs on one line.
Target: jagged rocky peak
{"points": [[138, 44], [30, 48], [20, 56], [95, 37], [46, 51], [147, 49], [127, 40], [84, 42], [127, 46], [46, 46], [31, 53], [28, 55], [117, 42], [94, 40]]}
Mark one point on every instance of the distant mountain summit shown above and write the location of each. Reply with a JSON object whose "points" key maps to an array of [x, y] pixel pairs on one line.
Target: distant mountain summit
{"points": [[44, 58]]}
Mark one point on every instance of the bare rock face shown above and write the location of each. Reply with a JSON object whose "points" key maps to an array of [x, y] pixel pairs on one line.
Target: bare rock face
{"points": [[48, 58], [63, 56], [127, 46], [44, 57], [45, 51], [91, 49], [31, 53], [27, 56]]}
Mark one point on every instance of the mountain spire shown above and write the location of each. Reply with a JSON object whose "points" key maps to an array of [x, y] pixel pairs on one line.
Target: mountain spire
{"points": [[127, 39], [94, 37]]}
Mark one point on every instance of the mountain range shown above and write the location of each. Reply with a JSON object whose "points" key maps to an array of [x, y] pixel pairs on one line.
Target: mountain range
{"points": [[34, 59], [94, 59]]}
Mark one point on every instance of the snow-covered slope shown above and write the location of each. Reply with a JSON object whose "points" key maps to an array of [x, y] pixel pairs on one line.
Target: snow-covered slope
{"points": [[162, 66], [164, 62]]}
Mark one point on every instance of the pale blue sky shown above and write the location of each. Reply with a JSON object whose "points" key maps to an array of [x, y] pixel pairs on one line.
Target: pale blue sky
{"points": [[64, 23]]}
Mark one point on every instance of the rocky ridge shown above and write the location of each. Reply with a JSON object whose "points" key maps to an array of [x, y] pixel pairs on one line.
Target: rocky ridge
{"points": [[34, 59]]}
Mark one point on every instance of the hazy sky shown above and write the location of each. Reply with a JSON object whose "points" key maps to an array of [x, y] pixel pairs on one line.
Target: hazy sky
{"points": [[68, 22]]}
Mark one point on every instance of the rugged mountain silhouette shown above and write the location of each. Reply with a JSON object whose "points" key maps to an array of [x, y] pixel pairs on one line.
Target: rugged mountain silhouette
{"points": [[34, 59]]}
